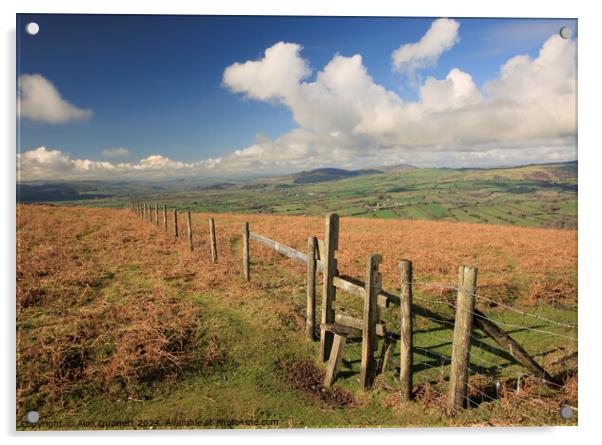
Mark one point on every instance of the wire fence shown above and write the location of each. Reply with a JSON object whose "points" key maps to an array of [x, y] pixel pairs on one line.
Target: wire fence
{"points": [[490, 380]]}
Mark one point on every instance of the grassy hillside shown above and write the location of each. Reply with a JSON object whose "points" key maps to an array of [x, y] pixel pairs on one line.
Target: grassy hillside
{"points": [[117, 320], [532, 196]]}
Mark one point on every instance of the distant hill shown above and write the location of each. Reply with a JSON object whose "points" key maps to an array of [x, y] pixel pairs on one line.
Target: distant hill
{"points": [[397, 168], [329, 174], [218, 186], [53, 192]]}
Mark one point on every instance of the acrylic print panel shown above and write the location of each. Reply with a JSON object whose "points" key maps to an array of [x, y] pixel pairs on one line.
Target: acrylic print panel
{"points": [[289, 222]]}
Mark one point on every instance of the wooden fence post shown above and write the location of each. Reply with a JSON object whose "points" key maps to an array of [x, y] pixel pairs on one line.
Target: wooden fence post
{"points": [[189, 218], [165, 217], [373, 288], [406, 352], [310, 317], [331, 244], [334, 362], [245, 250], [465, 301], [157, 214], [212, 240], [175, 222], [148, 212]]}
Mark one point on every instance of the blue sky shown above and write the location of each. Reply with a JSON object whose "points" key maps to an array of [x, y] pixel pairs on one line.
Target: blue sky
{"points": [[154, 84]]}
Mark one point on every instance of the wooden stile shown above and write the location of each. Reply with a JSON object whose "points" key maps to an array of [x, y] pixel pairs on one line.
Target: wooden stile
{"points": [[212, 240], [373, 286], [310, 317], [465, 301], [189, 220], [331, 243], [245, 251], [406, 343]]}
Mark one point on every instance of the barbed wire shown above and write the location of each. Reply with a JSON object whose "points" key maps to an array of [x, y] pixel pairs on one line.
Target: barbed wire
{"points": [[482, 316], [499, 303], [470, 401], [446, 358]]}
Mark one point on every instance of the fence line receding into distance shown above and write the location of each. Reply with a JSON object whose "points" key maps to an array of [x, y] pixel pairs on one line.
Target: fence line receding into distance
{"points": [[335, 328]]}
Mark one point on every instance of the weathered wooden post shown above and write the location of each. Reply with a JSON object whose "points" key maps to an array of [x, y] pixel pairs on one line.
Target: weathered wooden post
{"points": [[465, 301], [245, 250], [189, 219], [175, 222], [336, 357], [373, 288], [157, 214], [213, 241], [406, 341], [310, 317], [331, 244], [165, 217], [148, 212]]}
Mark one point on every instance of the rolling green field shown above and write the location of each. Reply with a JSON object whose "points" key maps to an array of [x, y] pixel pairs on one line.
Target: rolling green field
{"points": [[531, 196]]}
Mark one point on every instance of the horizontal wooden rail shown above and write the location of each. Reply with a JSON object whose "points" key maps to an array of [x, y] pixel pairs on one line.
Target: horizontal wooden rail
{"points": [[285, 250], [346, 284], [356, 324], [355, 287]]}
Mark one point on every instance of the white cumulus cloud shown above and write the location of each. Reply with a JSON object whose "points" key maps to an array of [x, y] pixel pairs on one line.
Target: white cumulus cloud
{"points": [[39, 100], [441, 36], [344, 115], [526, 113], [273, 76], [53, 164]]}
